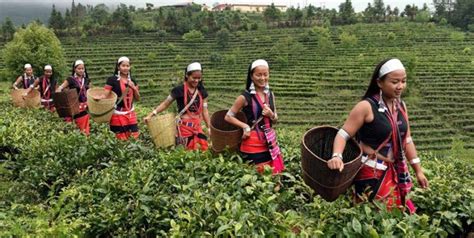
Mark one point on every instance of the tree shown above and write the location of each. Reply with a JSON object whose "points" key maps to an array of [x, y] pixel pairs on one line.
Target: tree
{"points": [[68, 22], [310, 12], [8, 29], [463, 14], [369, 13], [100, 14], [193, 37], [36, 45], [122, 19], [410, 11], [379, 10], [346, 13], [56, 20], [223, 37], [294, 15], [271, 13], [149, 6]]}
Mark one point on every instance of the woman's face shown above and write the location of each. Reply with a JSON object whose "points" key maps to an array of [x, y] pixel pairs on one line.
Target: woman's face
{"points": [[194, 78], [29, 71], [260, 76], [394, 84], [124, 67], [48, 73], [79, 70]]}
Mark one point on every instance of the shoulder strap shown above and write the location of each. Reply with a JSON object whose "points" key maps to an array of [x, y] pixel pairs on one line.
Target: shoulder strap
{"points": [[188, 105]]}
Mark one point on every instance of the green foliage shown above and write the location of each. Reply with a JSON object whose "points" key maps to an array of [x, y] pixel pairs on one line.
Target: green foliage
{"points": [[215, 58], [8, 29], [423, 16], [457, 36], [467, 51], [348, 40], [271, 13], [193, 37], [286, 49], [391, 36], [36, 45], [62, 183], [222, 38]]}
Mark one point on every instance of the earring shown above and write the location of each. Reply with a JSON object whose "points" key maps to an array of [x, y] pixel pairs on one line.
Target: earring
{"points": [[252, 89], [267, 89], [382, 106]]}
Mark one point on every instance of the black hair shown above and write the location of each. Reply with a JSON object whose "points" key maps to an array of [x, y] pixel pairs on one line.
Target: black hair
{"points": [[373, 86], [86, 75], [249, 77]]}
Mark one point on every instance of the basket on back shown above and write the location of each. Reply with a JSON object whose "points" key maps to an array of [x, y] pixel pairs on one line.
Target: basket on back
{"points": [[66, 102], [316, 149], [163, 130], [101, 110], [17, 97], [224, 134], [33, 99]]}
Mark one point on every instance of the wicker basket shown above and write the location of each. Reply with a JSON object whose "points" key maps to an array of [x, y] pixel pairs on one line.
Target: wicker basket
{"points": [[101, 110], [223, 134], [316, 149], [163, 130], [66, 102], [17, 97], [33, 99]]}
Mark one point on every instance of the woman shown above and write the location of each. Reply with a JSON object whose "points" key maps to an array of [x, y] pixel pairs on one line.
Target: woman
{"points": [[381, 122], [25, 80], [79, 80], [258, 145], [124, 120], [47, 84], [191, 98]]}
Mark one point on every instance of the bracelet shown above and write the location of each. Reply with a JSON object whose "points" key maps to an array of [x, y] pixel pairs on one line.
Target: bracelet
{"points": [[247, 129], [343, 133], [338, 155], [415, 160]]}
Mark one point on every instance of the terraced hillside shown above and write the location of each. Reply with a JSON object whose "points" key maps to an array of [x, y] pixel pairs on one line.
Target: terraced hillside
{"points": [[315, 83]]}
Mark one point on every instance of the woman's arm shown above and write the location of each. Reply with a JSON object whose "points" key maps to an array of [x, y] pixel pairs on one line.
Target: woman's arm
{"points": [[413, 159], [205, 115], [17, 81], [163, 106], [353, 123], [65, 84], [34, 85], [230, 117]]}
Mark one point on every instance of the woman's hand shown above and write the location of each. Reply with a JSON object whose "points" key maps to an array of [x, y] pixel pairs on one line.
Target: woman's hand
{"points": [[422, 181], [336, 163], [246, 133], [267, 112], [146, 119]]}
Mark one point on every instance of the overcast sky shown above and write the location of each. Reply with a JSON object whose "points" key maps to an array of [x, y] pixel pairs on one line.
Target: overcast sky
{"points": [[359, 5]]}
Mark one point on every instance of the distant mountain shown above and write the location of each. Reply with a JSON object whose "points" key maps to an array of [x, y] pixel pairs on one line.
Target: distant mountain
{"points": [[24, 13]]}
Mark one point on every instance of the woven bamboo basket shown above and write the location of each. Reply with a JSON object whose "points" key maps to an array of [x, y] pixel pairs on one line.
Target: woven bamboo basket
{"points": [[163, 130], [33, 99], [17, 97], [66, 102], [223, 134], [101, 110], [316, 149]]}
